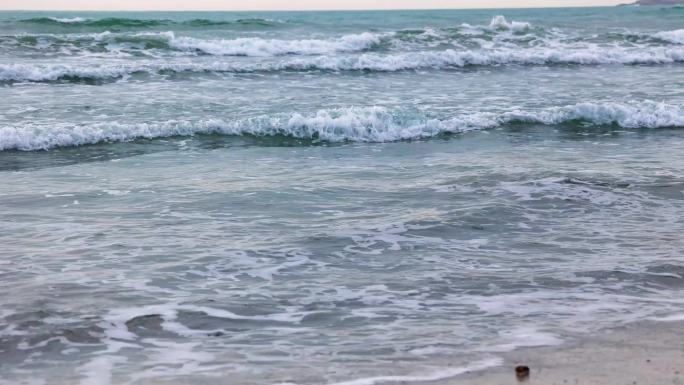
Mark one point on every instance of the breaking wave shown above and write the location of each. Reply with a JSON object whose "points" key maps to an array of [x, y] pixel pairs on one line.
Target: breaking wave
{"points": [[676, 36], [370, 124], [449, 58], [496, 39], [168, 41], [66, 20], [497, 24], [500, 23], [274, 47]]}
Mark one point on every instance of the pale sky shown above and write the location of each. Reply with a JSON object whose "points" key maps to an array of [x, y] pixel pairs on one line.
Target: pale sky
{"points": [[246, 5]]}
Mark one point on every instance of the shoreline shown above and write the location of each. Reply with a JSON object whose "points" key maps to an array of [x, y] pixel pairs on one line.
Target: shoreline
{"points": [[646, 352]]}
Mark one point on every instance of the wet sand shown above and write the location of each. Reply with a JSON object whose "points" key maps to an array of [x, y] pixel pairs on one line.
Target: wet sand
{"points": [[648, 353]]}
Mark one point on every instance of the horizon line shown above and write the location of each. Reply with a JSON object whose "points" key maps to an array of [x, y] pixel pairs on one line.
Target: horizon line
{"points": [[308, 9]]}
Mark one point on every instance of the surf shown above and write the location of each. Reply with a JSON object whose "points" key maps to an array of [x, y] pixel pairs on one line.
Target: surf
{"points": [[354, 124]]}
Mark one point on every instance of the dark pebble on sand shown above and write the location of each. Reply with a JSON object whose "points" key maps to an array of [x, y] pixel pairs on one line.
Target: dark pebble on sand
{"points": [[522, 372]]}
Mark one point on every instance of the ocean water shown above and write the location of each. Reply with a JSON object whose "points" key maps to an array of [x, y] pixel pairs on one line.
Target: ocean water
{"points": [[332, 197]]}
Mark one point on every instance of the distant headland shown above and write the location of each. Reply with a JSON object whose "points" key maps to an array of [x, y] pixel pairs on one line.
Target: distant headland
{"points": [[657, 2]]}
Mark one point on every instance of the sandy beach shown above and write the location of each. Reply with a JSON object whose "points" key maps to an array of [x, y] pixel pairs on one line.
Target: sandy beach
{"points": [[380, 195], [649, 353]]}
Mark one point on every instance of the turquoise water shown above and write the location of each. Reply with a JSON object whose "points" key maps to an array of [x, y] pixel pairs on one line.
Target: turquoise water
{"points": [[332, 197]]}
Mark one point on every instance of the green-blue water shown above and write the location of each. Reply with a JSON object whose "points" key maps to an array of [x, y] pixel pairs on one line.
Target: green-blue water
{"points": [[326, 197]]}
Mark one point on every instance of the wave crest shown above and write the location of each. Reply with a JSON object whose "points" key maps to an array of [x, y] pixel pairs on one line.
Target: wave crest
{"points": [[500, 23], [676, 36], [168, 41], [370, 124], [112, 22], [273, 47]]}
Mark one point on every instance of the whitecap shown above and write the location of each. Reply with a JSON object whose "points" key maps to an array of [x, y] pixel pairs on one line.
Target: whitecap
{"points": [[68, 20], [500, 23], [676, 36], [255, 46]]}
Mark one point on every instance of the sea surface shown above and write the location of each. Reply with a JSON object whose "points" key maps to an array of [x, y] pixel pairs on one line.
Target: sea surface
{"points": [[322, 198]]}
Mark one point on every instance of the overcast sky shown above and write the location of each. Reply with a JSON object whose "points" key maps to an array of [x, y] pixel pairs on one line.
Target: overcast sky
{"points": [[285, 4]]}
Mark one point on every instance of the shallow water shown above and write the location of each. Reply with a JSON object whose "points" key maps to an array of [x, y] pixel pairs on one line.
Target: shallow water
{"points": [[392, 195]]}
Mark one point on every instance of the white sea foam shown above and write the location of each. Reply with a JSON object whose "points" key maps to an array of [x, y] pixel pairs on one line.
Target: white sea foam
{"points": [[524, 337], [98, 371], [497, 24], [551, 46], [68, 20], [670, 318], [248, 46], [676, 36], [500, 23], [28, 72], [634, 115], [273, 47], [437, 375], [589, 55], [371, 124]]}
